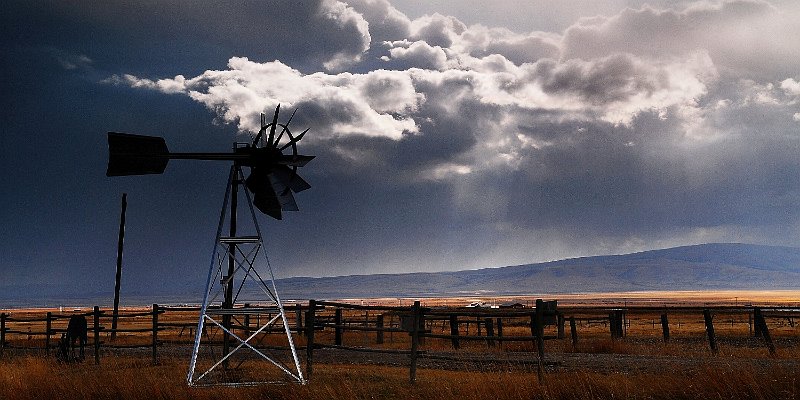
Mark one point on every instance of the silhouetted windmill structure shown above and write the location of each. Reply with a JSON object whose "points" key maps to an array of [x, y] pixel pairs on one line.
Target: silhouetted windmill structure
{"points": [[273, 161]]}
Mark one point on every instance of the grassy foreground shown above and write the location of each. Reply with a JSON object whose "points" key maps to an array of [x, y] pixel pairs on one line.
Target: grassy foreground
{"points": [[33, 377]]}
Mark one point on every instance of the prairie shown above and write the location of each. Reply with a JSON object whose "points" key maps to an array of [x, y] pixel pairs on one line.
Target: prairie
{"points": [[639, 366]]}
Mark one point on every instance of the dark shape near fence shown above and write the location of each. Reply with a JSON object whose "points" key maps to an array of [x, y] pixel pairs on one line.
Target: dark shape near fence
{"points": [[77, 333], [712, 340], [762, 330]]}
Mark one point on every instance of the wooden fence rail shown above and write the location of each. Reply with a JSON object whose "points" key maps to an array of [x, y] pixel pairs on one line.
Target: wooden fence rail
{"points": [[324, 324]]}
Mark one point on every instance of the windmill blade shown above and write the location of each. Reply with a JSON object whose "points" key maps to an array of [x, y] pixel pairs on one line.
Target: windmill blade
{"points": [[264, 196], [272, 129], [136, 154], [293, 160], [268, 204], [289, 178], [285, 128], [284, 194], [294, 140], [260, 131]]}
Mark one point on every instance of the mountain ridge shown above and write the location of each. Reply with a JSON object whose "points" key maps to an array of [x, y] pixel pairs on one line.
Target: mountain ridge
{"points": [[695, 267]]}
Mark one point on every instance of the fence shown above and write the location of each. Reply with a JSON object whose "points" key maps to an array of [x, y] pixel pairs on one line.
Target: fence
{"points": [[326, 325]]}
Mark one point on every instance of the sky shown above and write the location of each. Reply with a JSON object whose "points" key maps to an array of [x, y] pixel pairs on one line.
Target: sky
{"points": [[448, 135]]}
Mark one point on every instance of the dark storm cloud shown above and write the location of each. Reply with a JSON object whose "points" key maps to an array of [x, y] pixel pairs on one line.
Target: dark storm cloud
{"points": [[439, 145], [153, 36], [606, 152], [614, 78]]}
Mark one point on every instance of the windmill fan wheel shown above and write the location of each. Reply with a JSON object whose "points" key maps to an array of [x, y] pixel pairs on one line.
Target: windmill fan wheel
{"points": [[273, 177]]}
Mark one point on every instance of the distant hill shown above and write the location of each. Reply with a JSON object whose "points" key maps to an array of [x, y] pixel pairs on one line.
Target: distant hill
{"points": [[708, 266]]}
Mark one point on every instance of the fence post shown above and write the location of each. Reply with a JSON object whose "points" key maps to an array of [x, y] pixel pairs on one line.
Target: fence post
{"points": [[500, 331], [616, 322], [712, 340], [96, 314], [298, 316], [454, 331], [48, 328], [2, 333], [337, 320], [533, 328], [612, 324], [155, 334], [540, 337], [246, 322], [415, 318], [665, 327], [310, 325], [573, 332], [489, 332], [761, 326], [379, 325], [561, 320]]}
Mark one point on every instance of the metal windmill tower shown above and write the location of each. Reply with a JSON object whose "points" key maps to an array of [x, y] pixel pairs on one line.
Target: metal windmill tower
{"points": [[234, 273]]}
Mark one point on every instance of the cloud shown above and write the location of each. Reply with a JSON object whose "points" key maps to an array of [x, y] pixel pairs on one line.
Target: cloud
{"points": [[436, 30], [340, 104], [406, 55], [385, 22], [743, 36], [479, 41], [644, 126]]}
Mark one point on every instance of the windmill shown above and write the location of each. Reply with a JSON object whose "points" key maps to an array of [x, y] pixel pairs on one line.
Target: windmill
{"points": [[233, 274]]}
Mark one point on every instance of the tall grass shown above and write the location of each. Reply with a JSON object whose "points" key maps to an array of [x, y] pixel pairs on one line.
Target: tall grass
{"points": [[32, 377]]}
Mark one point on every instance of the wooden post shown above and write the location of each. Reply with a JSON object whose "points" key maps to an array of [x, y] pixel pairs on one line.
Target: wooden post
{"points": [[415, 318], [573, 332], [246, 322], [118, 277], [379, 325], [155, 334], [2, 333], [391, 325], [310, 324], [489, 332], [665, 327], [560, 326], [96, 315], [712, 340], [337, 320], [47, 330], [616, 321], [761, 326], [454, 331], [756, 326], [540, 337], [298, 317], [612, 324], [500, 331]]}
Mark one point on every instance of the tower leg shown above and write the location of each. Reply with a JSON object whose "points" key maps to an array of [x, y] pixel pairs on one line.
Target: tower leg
{"points": [[236, 255]]}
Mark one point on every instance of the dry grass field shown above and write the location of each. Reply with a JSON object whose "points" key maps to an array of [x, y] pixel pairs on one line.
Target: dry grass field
{"points": [[640, 366], [32, 377]]}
